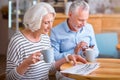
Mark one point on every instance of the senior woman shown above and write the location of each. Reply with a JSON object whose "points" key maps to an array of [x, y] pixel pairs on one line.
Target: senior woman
{"points": [[23, 55]]}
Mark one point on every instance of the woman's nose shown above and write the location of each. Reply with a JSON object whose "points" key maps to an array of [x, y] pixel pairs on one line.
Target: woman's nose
{"points": [[51, 24]]}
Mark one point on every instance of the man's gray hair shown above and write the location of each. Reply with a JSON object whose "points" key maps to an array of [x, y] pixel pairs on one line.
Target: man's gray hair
{"points": [[78, 4], [33, 16]]}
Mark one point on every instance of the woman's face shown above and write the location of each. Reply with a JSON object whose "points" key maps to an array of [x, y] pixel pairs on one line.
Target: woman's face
{"points": [[47, 23]]}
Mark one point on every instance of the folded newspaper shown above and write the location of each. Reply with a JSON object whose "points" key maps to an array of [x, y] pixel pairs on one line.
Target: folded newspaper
{"points": [[82, 69]]}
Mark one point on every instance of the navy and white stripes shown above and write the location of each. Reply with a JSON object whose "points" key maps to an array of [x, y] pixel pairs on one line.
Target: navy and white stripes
{"points": [[19, 49]]}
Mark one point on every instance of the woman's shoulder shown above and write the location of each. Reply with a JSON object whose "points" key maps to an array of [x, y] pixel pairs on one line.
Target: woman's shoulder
{"points": [[17, 37], [16, 34]]}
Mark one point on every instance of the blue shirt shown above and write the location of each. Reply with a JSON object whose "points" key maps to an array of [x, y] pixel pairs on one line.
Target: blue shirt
{"points": [[63, 40]]}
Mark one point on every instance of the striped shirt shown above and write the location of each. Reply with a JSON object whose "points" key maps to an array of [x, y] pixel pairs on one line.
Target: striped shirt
{"points": [[19, 49]]}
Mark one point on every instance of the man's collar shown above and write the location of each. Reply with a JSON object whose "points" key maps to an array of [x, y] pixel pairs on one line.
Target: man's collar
{"points": [[68, 29]]}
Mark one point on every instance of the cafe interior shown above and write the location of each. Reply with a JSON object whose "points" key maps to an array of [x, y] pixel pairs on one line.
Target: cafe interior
{"points": [[104, 17]]}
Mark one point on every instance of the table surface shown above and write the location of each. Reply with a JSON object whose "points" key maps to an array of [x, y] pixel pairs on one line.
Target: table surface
{"points": [[109, 70]]}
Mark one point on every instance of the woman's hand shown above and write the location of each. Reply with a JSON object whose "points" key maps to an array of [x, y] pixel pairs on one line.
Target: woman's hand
{"points": [[76, 58], [33, 58], [71, 57]]}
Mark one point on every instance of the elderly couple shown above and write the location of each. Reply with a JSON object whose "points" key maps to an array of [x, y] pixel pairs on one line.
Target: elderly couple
{"points": [[68, 39]]}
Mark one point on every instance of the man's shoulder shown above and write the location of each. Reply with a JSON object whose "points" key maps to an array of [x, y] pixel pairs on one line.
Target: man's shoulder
{"points": [[88, 26], [59, 27]]}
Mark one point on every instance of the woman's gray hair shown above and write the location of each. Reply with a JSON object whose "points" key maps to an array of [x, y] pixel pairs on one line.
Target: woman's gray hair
{"points": [[78, 4], [33, 16]]}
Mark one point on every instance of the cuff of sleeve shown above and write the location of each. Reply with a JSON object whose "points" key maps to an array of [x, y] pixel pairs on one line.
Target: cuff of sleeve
{"points": [[54, 68], [17, 74], [66, 57]]}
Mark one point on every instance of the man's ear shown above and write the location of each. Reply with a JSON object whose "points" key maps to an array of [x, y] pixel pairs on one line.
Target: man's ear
{"points": [[69, 14]]}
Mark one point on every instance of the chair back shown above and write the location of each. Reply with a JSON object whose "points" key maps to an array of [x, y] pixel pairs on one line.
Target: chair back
{"points": [[106, 43]]}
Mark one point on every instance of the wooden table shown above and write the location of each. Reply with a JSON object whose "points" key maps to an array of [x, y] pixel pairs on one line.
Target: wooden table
{"points": [[109, 70]]}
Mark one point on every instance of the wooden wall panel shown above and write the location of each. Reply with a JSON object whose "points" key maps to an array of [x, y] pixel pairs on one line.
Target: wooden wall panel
{"points": [[111, 23], [96, 23]]}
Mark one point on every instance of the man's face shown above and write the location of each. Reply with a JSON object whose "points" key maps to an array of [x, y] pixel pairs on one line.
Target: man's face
{"points": [[78, 20]]}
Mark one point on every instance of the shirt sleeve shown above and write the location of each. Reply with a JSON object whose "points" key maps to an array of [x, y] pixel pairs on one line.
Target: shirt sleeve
{"points": [[13, 75], [56, 45], [12, 61]]}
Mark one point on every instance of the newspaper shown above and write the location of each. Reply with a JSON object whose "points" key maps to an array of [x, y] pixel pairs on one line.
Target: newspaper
{"points": [[82, 69]]}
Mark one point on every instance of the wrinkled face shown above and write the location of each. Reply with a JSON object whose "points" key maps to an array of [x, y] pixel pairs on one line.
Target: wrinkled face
{"points": [[78, 20], [47, 23]]}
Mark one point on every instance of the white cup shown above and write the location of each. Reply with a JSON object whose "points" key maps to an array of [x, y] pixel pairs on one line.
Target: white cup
{"points": [[48, 55], [90, 55]]}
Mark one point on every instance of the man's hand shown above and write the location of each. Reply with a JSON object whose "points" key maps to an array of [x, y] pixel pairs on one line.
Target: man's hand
{"points": [[81, 46]]}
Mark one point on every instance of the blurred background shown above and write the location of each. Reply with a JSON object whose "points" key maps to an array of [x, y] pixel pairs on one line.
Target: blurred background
{"points": [[104, 16]]}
